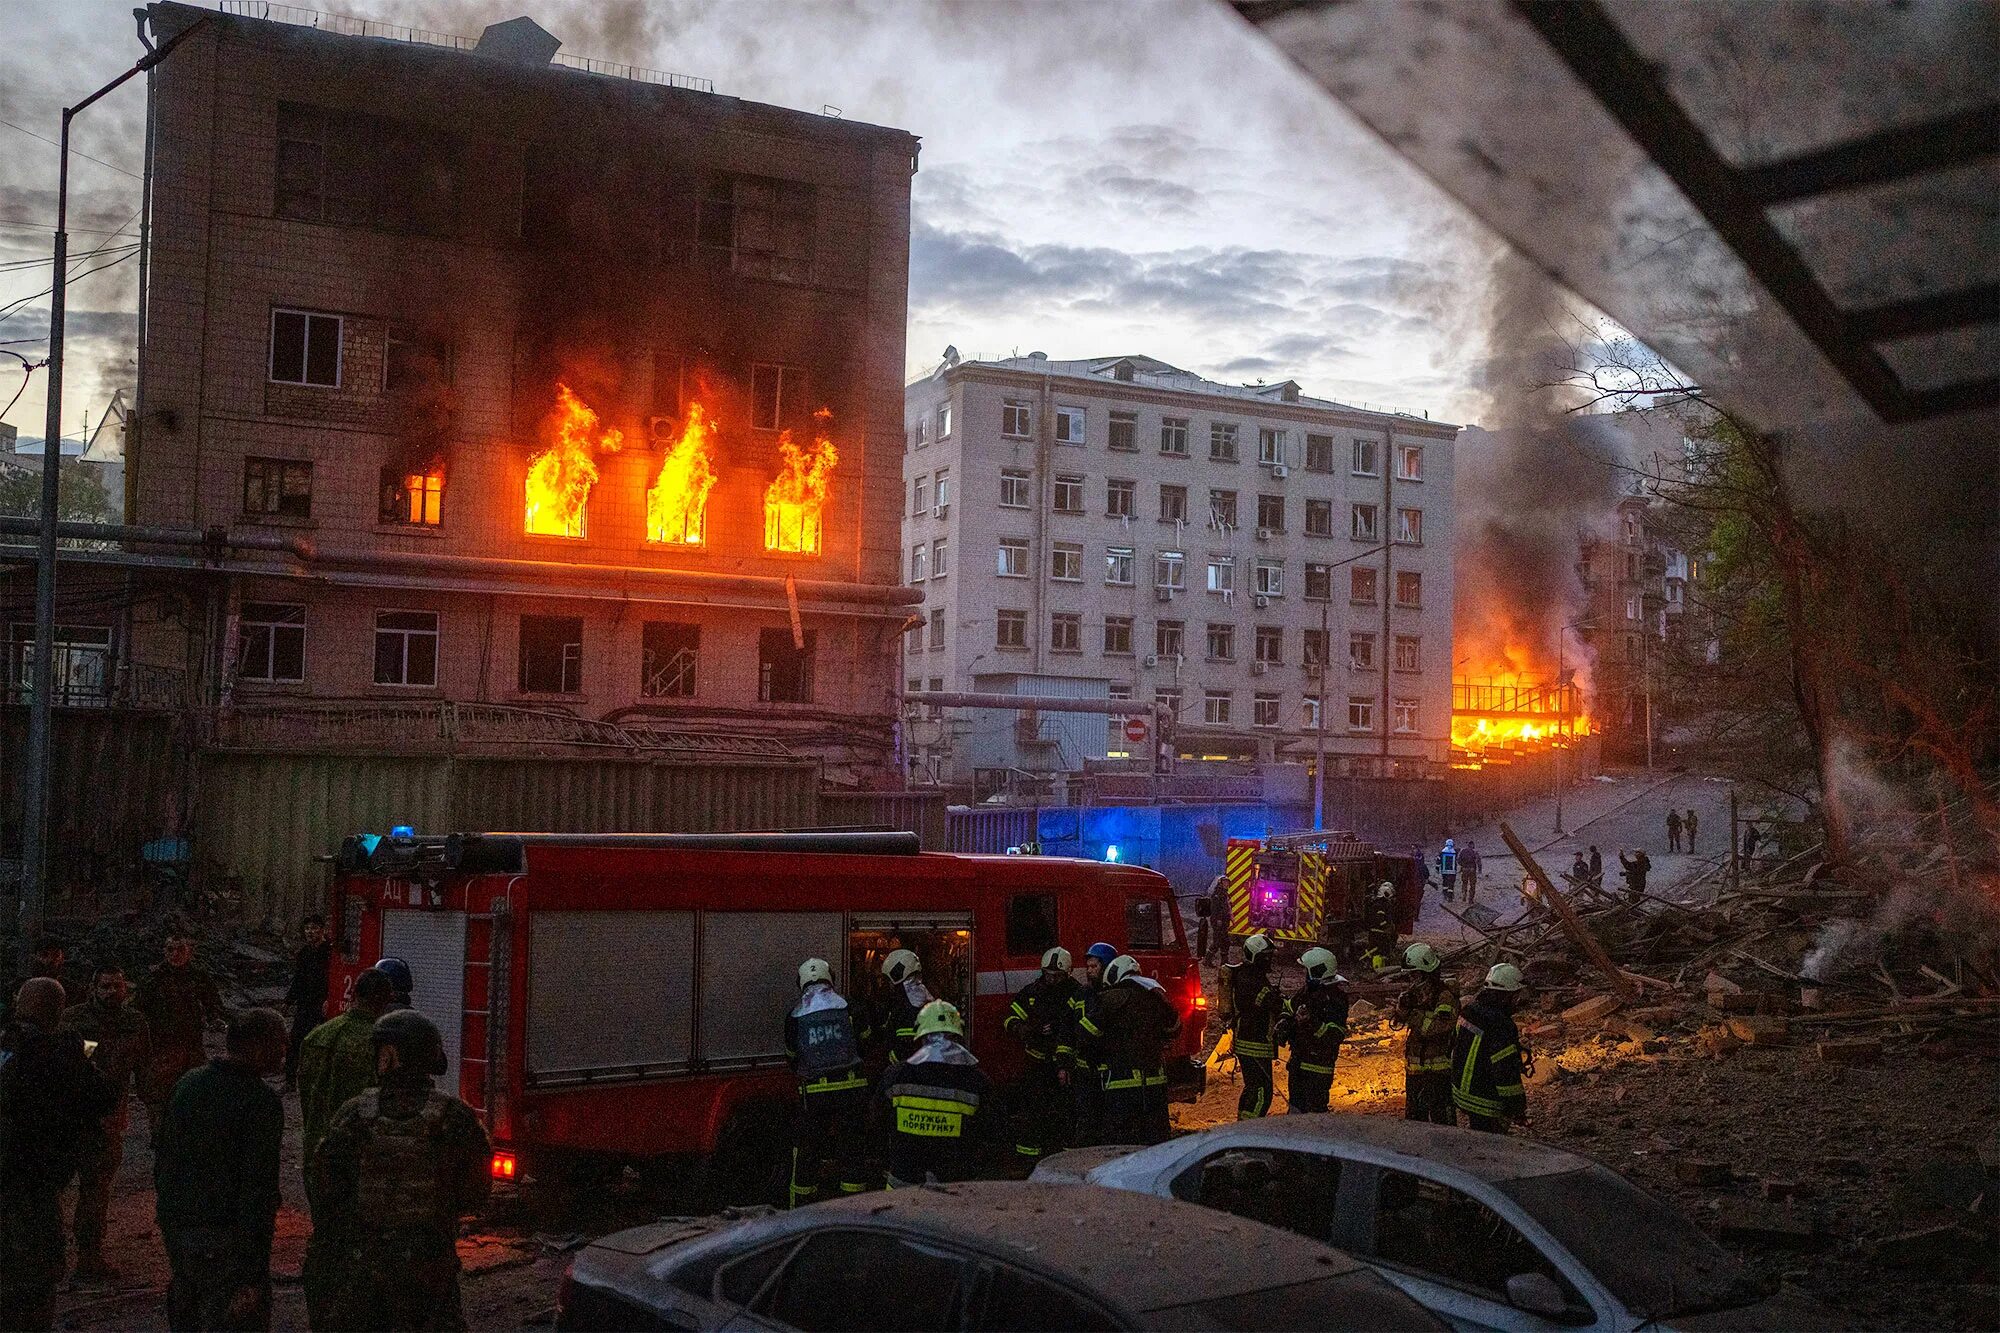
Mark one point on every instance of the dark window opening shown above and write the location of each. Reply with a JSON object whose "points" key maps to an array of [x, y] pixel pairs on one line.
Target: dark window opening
{"points": [[1433, 1229], [1031, 924], [277, 486], [763, 227], [784, 671], [551, 655], [406, 647], [305, 349], [414, 498], [1147, 925], [667, 659], [272, 642]]}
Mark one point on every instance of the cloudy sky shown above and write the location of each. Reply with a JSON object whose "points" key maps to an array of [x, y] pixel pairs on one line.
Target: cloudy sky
{"points": [[1098, 177]]}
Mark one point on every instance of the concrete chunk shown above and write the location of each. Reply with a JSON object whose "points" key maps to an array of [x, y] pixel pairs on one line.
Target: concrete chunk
{"points": [[1591, 1010], [1760, 1030], [1701, 1171]]}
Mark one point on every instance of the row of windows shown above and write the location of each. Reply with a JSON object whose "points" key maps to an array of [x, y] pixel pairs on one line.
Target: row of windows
{"points": [[1121, 500], [929, 489], [1218, 708], [283, 488], [1066, 565], [1066, 632], [1274, 446], [272, 648]]}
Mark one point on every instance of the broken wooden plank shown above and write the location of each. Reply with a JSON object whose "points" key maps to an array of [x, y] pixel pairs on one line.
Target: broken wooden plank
{"points": [[1571, 922]]}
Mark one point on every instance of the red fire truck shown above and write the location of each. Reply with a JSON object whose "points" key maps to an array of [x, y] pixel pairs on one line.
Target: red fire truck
{"points": [[621, 998]]}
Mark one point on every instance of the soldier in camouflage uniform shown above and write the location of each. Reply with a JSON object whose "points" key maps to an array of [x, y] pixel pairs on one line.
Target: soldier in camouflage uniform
{"points": [[398, 1168], [123, 1051], [178, 999]]}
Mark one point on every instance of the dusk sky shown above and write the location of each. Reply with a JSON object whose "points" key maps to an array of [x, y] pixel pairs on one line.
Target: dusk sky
{"points": [[1096, 178]]}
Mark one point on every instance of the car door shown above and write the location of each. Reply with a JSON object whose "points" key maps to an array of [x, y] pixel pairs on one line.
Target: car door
{"points": [[1454, 1254], [857, 1280], [1281, 1187]]}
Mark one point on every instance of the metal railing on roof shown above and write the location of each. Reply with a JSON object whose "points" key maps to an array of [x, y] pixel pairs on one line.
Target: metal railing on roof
{"points": [[346, 25]]}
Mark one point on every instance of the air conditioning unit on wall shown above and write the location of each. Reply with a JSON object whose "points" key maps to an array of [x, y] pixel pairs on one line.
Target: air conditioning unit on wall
{"points": [[1263, 534], [1259, 668], [1279, 471], [941, 511], [1152, 660], [1163, 594], [1262, 601]]}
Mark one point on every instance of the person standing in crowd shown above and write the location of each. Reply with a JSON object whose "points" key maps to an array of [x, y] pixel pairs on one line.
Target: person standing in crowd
{"points": [[1596, 868], [178, 999], [1487, 1062], [400, 977], [122, 1053], [1257, 1008], [824, 1044], [1635, 869], [1429, 1009], [307, 995], [1125, 1036], [1447, 868], [937, 1102], [1086, 1089], [1750, 841], [1317, 1023], [1468, 868], [907, 995], [337, 1059], [215, 1177], [1579, 872], [52, 1104], [1045, 1017], [1673, 830], [1382, 925], [399, 1167], [49, 959]]}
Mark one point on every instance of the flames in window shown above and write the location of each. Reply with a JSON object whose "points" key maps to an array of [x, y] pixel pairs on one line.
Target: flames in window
{"points": [[677, 504], [561, 476], [795, 501]]}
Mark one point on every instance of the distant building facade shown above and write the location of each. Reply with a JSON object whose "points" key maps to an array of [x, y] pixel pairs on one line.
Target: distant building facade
{"points": [[1122, 529]]}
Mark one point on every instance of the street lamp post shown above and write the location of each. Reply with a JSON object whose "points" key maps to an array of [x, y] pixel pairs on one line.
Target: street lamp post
{"points": [[36, 785], [1325, 660]]}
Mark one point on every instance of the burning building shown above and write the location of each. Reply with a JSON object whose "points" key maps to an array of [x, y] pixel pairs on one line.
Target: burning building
{"points": [[575, 384]]}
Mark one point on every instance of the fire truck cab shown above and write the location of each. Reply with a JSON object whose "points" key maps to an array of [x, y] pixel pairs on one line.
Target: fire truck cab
{"points": [[622, 997], [1304, 889]]}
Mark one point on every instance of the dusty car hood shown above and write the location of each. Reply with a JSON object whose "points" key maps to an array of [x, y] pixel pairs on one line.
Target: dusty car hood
{"points": [[1072, 1167], [1788, 1310]]}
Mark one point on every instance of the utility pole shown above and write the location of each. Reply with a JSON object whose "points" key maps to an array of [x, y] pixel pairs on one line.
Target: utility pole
{"points": [[36, 784], [1562, 642]]}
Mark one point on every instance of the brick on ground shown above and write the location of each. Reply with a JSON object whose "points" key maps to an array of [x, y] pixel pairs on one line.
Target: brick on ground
{"points": [[1591, 1010], [1760, 1030]]}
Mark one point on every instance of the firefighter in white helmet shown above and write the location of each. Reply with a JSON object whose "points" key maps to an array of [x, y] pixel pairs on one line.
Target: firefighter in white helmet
{"points": [[1258, 1005], [1045, 1018], [1382, 925], [1486, 1056], [1315, 1025], [824, 1040], [1127, 1033], [938, 1103], [1429, 1009], [907, 995]]}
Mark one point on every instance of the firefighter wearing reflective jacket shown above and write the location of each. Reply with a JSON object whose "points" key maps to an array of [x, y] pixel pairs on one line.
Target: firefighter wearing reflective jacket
{"points": [[1126, 1035], [1257, 1006], [824, 1043], [937, 1105], [1486, 1055], [398, 1168], [906, 998], [1087, 1088], [1429, 1009], [1316, 1025], [1045, 1018]]}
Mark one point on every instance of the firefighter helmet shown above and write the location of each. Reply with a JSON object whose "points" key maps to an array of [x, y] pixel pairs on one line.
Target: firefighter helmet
{"points": [[418, 1045], [1386, 889], [901, 965], [1421, 957], [814, 969], [398, 973], [940, 1016], [1504, 976], [1119, 968], [1056, 959], [1320, 966], [1256, 947], [1102, 952]]}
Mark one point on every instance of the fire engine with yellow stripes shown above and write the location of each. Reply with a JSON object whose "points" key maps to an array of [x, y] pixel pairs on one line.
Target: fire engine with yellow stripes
{"points": [[1320, 888]]}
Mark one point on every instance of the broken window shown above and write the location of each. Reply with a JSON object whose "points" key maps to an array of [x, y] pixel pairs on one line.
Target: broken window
{"points": [[1118, 566], [1420, 1225], [1016, 421], [406, 647], [1013, 558], [1405, 715], [1170, 570], [1222, 441], [919, 558], [1409, 653], [1221, 643], [1313, 648], [1361, 586], [944, 419], [1173, 504], [277, 486], [1124, 434], [1360, 713], [1410, 527], [1364, 525], [305, 349], [763, 227], [551, 655], [937, 634], [668, 654], [1167, 697], [1066, 563], [1409, 462], [1065, 632], [1364, 458], [1215, 707], [1174, 437], [779, 398], [1014, 490], [1319, 453], [784, 667], [1264, 710], [1222, 509], [1409, 588], [1120, 496], [354, 169], [1319, 518], [1167, 637], [1069, 494], [273, 642], [1118, 634], [1069, 425], [1361, 650], [1222, 574], [1270, 578], [1270, 645], [1270, 445], [1271, 512]]}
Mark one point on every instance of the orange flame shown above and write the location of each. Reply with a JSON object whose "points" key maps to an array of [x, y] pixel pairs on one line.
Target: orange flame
{"points": [[561, 476], [1513, 709], [677, 504], [795, 502]]}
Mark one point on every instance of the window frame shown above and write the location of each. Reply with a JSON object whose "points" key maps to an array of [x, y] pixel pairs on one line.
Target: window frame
{"points": [[1270, 512], [803, 666], [1119, 623], [1017, 419], [1268, 578], [1323, 511], [406, 634], [1402, 708], [1017, 480], [1174, 630], [1005, 618], [1174, 563], [1073, 483], [1216, 707], [1179, 491], [1065, 631], [1222, 575], [1374, 457], [1404, 453], [1416, 602], [1064, 417], [1129, 420], [1119, 559], [1267, 709], [1361, 714], [306, 341], [1356, 529], [788, 381], [1269, 645], [1320, 447], [1114, 488], [1066, 555], [1005, 549], [1409, 526], [1174, 437], [271, 624], [1271, 442], [692, 676], [565, 661], [427, 497], [1219, 635], [268, 470], [1415, 656], [1224, 442], [1358, 574]]}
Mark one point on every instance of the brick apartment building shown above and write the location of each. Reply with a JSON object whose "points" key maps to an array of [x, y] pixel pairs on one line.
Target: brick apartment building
{"points": [[1118, 528], [376, 263]]}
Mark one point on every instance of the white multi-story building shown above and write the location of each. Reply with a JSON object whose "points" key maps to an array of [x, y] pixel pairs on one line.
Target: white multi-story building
{"points": [[1118, 528]]}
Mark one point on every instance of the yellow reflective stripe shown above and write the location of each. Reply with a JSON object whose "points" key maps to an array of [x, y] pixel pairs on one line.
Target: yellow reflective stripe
{"points": [[1510, 1090], [1504, 1052], [1315, 1069], [1471, 1061], [1325, 1028], [1092, 1028], [1112, 1084], [828, 1083], [1256, 1050], [1155, 1080], [1477, 1105]]}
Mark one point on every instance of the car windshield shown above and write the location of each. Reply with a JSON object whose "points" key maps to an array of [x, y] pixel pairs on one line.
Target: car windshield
{"points": [[1647, 1255]]}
